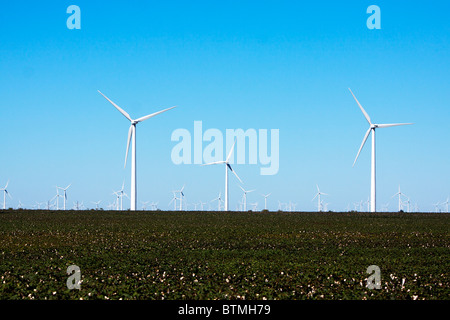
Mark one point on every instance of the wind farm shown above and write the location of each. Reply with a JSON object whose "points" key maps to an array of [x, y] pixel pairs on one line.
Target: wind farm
{"points": [[246, 173]]}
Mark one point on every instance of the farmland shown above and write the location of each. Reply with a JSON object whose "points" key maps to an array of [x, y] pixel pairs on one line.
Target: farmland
{"points": [[217, 255]]}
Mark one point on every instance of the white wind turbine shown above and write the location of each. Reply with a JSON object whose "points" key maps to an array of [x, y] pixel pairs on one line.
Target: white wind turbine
{"points": [[174, 200], [219, 200], [120, 195], [446, 203], [181, 197], [244, 197], [265, 200], [5, 192], [436, 207], [132, 134], [57, 198], [400, 194], [371, 129], [227, 166], [318, 194], [96, 204], [65, 194]]}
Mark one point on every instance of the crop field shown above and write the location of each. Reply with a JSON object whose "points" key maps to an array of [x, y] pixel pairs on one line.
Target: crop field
{"points": [[216, 255]]}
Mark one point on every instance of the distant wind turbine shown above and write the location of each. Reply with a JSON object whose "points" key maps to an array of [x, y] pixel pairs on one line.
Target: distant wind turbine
{"points": [[446, 203], [265, 200], [96, 204], [400, 203], [132, 134], [227, 166], [371, 129], [5, 192], [219, 200], [181, 197], [245, 197], [174, 200], [318, 194], [65, 194], [436, 207]]}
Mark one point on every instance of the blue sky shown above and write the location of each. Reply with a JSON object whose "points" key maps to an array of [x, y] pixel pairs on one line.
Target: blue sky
{"points": [[237, 64]]}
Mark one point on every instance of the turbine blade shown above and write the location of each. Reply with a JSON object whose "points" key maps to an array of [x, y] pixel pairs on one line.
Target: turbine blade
{"points": [[231, 151], [362, 145], [216, 162], [229, 167], [362, 109], [314, 196], [117, 107], [153, 114], [67, 187], [392, 125], [130, 134]]}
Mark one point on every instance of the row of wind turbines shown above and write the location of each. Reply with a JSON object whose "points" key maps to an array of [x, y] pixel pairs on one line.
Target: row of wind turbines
{"points": [[133, 188], [226, 162], [180, 203]]}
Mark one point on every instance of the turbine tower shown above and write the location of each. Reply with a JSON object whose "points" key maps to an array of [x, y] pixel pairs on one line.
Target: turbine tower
{"points": [[132, 134], [227, 166], [371, 129]]}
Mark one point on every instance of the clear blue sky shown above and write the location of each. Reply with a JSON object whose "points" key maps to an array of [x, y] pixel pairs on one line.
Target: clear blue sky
{"points": [[232, 64]]}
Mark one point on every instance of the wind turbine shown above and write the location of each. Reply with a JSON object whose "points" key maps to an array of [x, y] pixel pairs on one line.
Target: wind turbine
{"points": [[318, 194], [5, 192], [436, 207], [227, 166], [181, 197], [446, 203], [65, 194], [265, 200], [174, 199], [245, 197], [371, 129], [400, 194], [132, 134], [219, 199], [96, 204]]}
